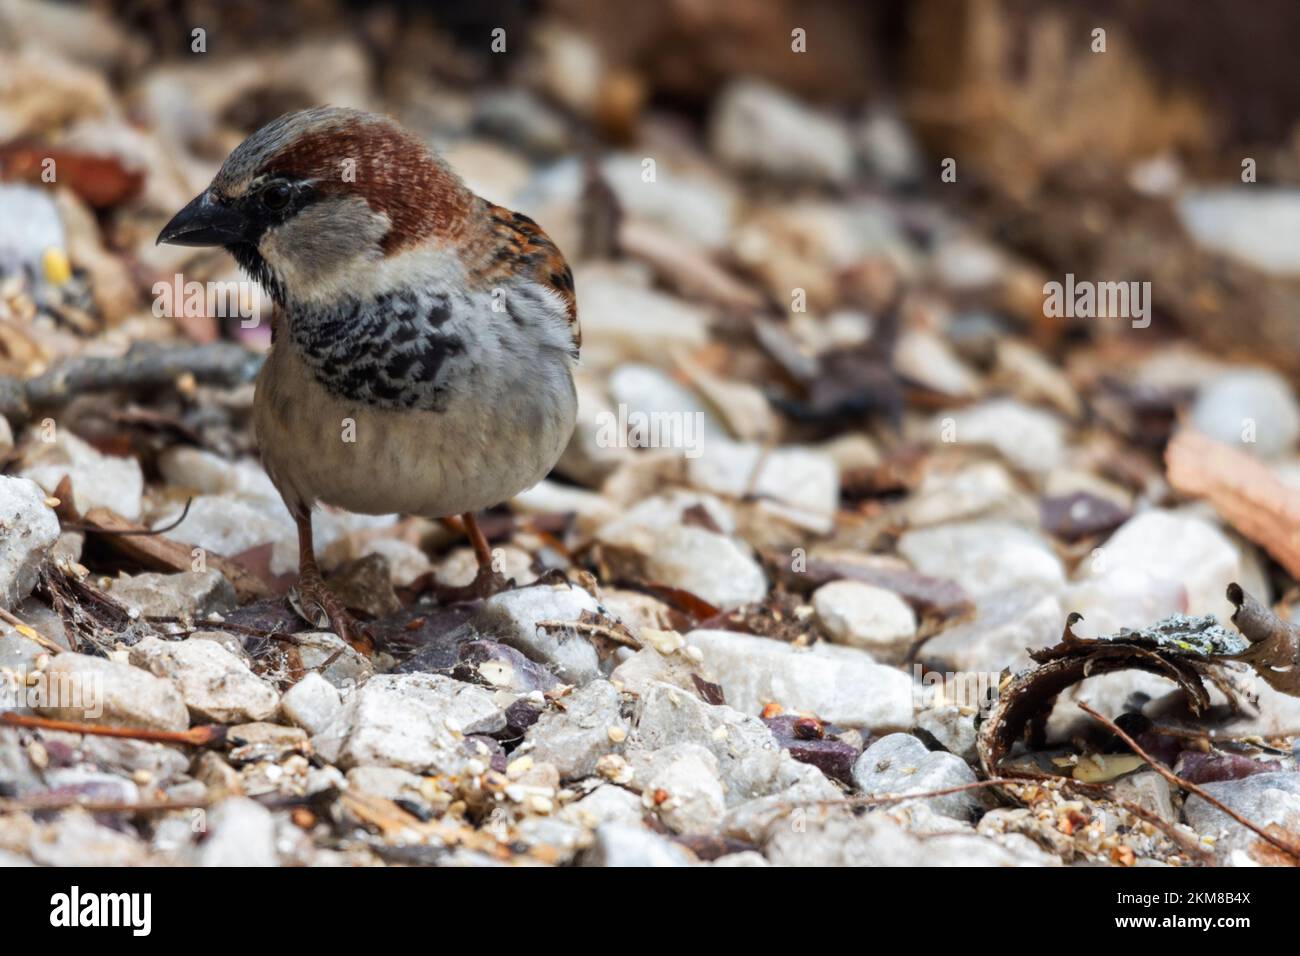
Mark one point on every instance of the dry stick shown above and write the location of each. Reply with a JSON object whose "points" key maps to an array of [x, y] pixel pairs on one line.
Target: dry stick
{"points": [[107, 806], [899, 797], [142, 532], [194, 737], [1286, 846], [597, 629], [29, 632]]}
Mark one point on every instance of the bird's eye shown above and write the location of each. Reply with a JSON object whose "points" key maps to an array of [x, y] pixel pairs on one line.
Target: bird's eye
{"points": [[276, 196]]}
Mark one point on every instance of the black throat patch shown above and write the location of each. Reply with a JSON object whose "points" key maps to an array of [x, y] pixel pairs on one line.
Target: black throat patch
{"points": [[391, 351]]}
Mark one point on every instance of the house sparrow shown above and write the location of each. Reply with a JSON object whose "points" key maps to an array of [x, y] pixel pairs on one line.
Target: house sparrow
{"points": [[424, 339]]}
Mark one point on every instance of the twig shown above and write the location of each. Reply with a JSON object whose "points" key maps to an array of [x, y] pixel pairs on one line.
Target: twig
{"points": [[143, 532], [145, 367], [1286, 846], [43, 802], [29, 632], [597, 629], [199, 736], [887, 799]]}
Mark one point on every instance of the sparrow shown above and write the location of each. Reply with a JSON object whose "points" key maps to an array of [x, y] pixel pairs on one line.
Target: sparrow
{"points": [[423, 339]]}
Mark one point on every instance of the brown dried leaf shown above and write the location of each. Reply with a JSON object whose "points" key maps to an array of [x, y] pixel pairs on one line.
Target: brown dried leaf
{"points": [[1243, 490]]}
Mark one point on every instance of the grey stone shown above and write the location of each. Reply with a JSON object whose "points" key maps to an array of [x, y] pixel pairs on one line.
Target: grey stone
{"points": [[28, 529], [749, 757], [900, 764], [216, 685], [1006, 623], [605, 804], [649, 666], [333, 658], [953, 727], [311, 703], [681, 784], [189, 594], [841, 685], [620, 844], [984, 556], [1150, 791], [1254, 410], [1264, 798], [239, 832], [575, 737], [513, 617], [413, 721], [74, 838], [835, 837], [97, 690], [1028, 438], [866, 617], [757, 128], [98, 480]]}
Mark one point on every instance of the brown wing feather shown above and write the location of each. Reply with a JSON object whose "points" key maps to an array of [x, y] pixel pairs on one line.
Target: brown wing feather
{"points": [[517, 246]]}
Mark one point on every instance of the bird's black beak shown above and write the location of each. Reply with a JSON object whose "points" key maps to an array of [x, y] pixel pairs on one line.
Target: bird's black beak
{"points": [[204, 222]]}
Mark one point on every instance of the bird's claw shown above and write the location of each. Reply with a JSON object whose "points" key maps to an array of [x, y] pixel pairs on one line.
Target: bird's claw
{"points": [[316, 604], [487, 582]]}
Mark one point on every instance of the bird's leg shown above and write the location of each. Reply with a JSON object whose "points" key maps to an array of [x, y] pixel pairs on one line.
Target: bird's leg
{"points": [[488, 580], [313, 595]]}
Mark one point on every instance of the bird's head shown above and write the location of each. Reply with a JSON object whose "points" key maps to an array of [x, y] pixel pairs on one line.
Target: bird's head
{"points": [[313, 204]]}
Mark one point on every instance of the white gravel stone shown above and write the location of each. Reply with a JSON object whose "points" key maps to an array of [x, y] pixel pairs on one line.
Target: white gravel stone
{"points": [[239, 832], [607, 804], [1256, 224], [1254, 410], [512, 617], [28, 529], [836, 837], [574, 738], [625, 320], [123, 695], [216, 685], [713, 566], [1006, 623], [194, 594], [1029, 438], [75, 838], [98, 480], [953, 727], [347, 669], [983, 556], [759, 128], [413, 721], [621, 844], [311, 703], [900, 764], [838, 684], [805, 481], [867, 617], [649, 391], [205, 472], [1178, 548], [681, 783], [749, 758], [648, 666], [1265, 798]]}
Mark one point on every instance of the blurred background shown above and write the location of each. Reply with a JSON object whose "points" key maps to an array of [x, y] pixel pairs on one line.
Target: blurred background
{"points": [[821, 221], [823, 230]]}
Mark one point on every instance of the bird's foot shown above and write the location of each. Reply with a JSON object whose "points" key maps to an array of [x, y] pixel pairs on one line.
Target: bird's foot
{"points": [[317, 605], [487, 582]]}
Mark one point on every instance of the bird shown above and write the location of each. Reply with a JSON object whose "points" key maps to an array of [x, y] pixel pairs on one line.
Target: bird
{"points": [[423, 341]]}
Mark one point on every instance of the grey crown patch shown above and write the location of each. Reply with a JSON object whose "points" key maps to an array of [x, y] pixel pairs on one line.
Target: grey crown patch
{"points": [[390, 351]]}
